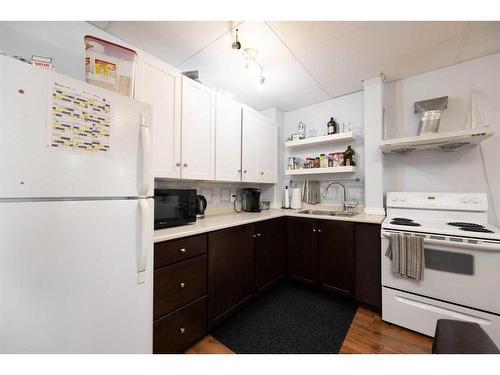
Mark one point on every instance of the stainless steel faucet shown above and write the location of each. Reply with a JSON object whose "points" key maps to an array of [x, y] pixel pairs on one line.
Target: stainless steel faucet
{"points": [[344, 206]]}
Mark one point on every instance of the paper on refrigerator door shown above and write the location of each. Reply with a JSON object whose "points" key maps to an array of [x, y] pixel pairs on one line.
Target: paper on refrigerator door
{"points": [[78, 121]]}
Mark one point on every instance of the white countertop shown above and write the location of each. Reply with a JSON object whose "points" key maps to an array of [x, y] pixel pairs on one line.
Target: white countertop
{"points": [[227, 220]]}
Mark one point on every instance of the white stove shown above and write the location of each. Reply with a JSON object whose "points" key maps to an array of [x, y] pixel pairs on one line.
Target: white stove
{"points": [[462, 262]]}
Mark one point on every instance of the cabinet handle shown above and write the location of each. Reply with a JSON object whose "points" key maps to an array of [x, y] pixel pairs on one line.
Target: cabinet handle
{"points": [[182, 285], [245, 171], [178, 164], [314, 230], [185, 164], [253, 235], [319, 230], [182, 330], [182, 251], [258, 234], [239, 170]]}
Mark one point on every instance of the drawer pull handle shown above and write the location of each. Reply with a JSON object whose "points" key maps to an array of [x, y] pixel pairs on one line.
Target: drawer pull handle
{"points": [[314, 230], [182, 331], [182, 251], [254, 235], [258, 234], [182, 285]]}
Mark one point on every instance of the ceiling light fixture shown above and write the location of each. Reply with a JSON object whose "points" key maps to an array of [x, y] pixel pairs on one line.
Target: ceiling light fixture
{"points": [[251, 63], [236, 44]]}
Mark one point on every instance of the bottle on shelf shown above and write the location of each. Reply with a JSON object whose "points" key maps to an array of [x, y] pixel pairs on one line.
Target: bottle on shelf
{"points": [[349, 156], [332, 126]]}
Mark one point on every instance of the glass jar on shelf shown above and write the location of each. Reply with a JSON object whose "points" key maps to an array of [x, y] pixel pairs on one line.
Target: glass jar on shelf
{"points": [[340, 156], [330, 160], [321, 160]]}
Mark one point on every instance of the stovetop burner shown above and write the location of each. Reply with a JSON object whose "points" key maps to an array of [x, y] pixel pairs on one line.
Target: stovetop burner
{"points": [[404, 221], [476, 229], [465, 224]]}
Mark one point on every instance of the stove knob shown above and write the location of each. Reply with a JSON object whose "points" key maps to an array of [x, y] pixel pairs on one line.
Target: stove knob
{"points": [[465, 199]]}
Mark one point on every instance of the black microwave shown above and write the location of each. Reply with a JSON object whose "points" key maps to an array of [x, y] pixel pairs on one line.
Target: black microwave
{"points": [[174, 207]]}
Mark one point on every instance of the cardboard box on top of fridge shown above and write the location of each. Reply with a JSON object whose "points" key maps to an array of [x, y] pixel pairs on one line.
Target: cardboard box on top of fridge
{"points": [[109, 65]]}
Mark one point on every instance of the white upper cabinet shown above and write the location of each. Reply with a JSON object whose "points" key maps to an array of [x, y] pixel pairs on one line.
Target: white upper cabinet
{"points": [[227, 139], [198, 131], [161, 88], [250, 145], [268, 151]]}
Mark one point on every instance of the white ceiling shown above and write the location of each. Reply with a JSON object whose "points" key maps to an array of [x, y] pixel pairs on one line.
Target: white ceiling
{"points": [[308, 62]]}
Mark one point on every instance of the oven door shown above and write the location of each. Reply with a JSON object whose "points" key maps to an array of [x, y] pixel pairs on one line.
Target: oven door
{"points": [[463, 274], [174, 207]]}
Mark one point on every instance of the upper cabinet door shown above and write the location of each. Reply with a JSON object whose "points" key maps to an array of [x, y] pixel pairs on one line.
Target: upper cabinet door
{"points": [[250, 146], [198, 131], [162, 90], [268, 151], [227, 140]]}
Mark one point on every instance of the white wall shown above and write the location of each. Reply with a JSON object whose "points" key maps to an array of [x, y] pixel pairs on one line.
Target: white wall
{"points": [[447, 171], [348, 108], [274, 193], [373, 132]]}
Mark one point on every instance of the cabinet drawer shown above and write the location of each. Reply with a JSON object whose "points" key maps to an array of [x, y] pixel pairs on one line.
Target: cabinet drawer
{"points": [[182, 328], [169, 252], [181, 283]]}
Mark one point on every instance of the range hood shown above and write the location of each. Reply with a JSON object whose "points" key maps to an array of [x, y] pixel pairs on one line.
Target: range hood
{"points": [[446, 141]]}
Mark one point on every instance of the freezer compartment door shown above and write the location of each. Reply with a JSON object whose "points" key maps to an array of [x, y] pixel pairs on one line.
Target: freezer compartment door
{"points": [[76, 276], [31, 166]]}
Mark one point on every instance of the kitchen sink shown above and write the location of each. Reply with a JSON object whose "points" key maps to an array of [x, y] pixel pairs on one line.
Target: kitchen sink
{"points": [[328, 213]]}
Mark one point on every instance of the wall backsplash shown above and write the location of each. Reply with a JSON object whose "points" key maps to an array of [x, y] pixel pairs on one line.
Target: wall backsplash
{"points": [[216, 193], [355, 191]]}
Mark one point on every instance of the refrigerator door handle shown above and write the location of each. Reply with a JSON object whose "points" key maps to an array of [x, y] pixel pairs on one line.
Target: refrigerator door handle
{"points": [[142, 256], [146, 156]]}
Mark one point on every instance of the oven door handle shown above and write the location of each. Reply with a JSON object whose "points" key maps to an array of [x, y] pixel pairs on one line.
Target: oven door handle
{"points": [[461, 245]]}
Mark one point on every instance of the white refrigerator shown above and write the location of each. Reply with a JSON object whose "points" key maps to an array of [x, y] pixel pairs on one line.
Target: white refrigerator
{"points": [[76, 216]]}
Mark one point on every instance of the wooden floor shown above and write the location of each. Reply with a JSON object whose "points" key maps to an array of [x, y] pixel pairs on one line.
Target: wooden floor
{"points": [[368, 334]]}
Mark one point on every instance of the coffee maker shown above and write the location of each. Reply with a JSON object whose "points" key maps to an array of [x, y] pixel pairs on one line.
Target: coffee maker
{"points": [[251, 199]]}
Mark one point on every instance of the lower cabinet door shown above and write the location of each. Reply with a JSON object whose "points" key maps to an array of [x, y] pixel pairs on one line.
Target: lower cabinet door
{"points": [[368, 264], [178, 284], [231, 270], [269, 252], [336, 256], [302, 262], [180, 329]]}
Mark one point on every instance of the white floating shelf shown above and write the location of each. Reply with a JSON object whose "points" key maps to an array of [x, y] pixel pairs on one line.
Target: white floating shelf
{"points": [[447, 141], [343, 169], [324, 139]]}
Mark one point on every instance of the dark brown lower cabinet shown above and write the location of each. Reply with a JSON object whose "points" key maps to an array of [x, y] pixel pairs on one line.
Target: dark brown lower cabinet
{"points": [[320, 252], [181, 328], [302, 258], [269, 252], [179, 284], [336, 256], [194, 291], [179, 293], [368, 265], [231, 270]]}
